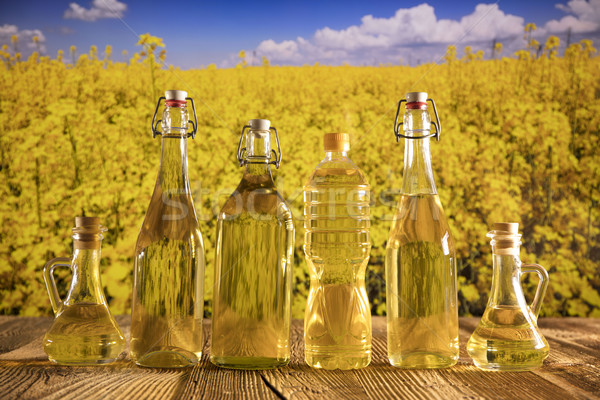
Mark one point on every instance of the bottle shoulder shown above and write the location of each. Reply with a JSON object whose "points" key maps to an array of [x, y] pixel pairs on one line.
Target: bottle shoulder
{"points": [[337, 172], [420, 218], [170, 218], [262, 203]]}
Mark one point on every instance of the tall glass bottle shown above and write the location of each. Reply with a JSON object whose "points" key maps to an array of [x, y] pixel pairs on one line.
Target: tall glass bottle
{"points": [[84, 332], [253, 270], [422, 315], [507, 337], [337, 324], [167, 308]]}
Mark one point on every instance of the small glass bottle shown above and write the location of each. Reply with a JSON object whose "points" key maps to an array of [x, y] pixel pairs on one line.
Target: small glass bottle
{"points": [[84, 332], [507, 337], [337, 323], [422, 314], [253, 263], [168, 283]]}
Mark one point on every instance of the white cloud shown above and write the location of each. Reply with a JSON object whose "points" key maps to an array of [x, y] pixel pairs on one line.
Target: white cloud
{"points": [[586, 17], [25, 44], [100, 9], [411, 34]]}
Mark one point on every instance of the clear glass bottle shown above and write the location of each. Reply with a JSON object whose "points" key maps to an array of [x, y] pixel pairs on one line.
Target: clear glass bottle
{"points": [[507, 337], [253, 270], [84, 332], [337, 323], [167, 308], [422, 314]]}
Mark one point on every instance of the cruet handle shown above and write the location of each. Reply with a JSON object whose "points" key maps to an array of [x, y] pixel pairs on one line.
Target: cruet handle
{"points": [[542, 274], [55, 299]]}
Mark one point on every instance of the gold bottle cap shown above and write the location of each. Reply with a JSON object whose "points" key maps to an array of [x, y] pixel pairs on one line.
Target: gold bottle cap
{"points": [[336, 142]]}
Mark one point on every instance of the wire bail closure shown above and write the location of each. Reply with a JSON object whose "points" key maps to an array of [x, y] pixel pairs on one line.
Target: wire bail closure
{"points": [[194, 123], [242, 150], [438, 126]]}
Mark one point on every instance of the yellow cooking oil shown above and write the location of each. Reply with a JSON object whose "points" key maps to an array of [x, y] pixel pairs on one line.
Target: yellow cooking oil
{"points": [[166, 328], [337, 323], [421, 285], [83, 334], [507, 340]]}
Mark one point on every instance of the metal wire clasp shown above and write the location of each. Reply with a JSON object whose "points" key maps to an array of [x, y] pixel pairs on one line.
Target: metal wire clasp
{"points": [[241, 150], [438, 126], [155, 123]]}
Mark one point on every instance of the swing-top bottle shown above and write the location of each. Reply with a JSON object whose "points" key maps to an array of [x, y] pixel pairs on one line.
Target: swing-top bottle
{"points": [[253, 263], [167, 308], [422, 315]]}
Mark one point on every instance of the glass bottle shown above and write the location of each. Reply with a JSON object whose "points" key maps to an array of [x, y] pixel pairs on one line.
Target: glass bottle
{"points": [[422, 315], [253, 270], [337, 323], [84, 332], [507, 337], [167, 307]]}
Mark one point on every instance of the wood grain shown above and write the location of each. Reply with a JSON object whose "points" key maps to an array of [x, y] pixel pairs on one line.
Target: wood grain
{"points": [[571, 371]]}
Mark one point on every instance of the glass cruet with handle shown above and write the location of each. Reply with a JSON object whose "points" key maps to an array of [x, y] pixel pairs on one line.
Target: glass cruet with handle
{"points": [[507, 338], [84, 331]]}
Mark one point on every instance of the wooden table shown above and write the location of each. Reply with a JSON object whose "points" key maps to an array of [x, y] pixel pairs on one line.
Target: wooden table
{"points": [[571, 371]]}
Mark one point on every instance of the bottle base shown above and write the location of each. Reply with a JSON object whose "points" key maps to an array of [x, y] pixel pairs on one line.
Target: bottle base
{"points": [[82, 363], [167, 359], [332, 361], [506, 368], [249, 362], [422, 360]]}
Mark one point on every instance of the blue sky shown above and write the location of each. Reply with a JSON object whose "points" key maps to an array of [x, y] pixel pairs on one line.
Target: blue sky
{"points": [[198, 33]]}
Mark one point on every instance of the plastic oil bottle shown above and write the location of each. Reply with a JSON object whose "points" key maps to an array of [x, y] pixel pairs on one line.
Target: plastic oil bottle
{"points": [[337, 323], [253, 263], [167, 307], [422, 315], [84, 332], [507, 337]]}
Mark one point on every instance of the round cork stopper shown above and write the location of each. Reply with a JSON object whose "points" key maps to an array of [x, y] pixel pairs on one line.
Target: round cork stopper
{"points": [[336, 142], [511, 228], [505, 237], [86, 221], [87, 233]]}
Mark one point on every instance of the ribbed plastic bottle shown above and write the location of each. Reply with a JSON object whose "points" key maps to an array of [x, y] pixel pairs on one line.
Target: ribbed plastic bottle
{"points": [[337, 323]]}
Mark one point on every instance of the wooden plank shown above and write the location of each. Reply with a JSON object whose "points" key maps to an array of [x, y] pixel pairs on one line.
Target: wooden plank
{"points": [[207, 381], [571, 371]]}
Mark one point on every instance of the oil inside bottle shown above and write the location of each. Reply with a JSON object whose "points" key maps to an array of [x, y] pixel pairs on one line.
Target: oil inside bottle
{"points": [[506, 340], [421, 314], [84, 333]]}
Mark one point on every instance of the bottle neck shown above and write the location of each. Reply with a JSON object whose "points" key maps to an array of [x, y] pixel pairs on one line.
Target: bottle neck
{"points": [[86, 286], [418, 173], [335, 155], [506, 281], [258, 153], [173, 171]]}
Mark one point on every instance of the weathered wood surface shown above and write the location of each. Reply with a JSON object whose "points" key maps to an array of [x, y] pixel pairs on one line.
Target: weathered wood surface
{"points": [[571, 371]]}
